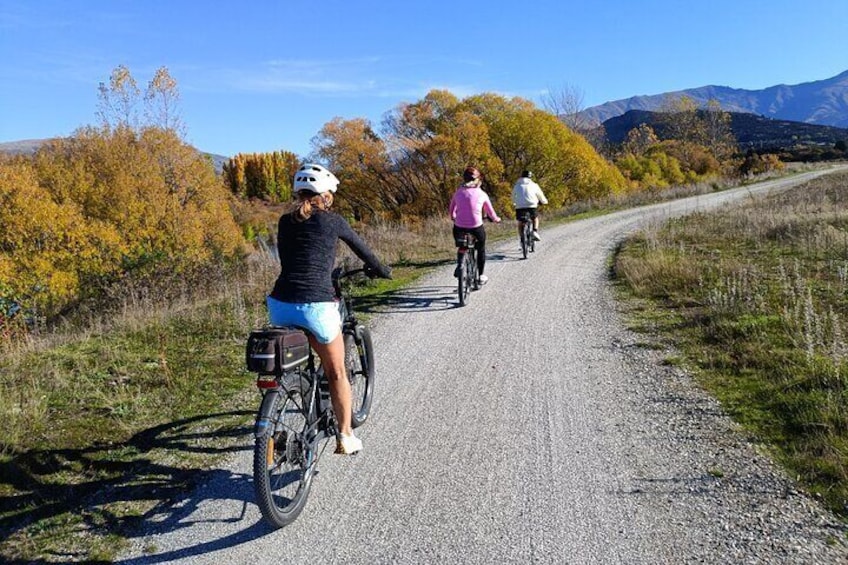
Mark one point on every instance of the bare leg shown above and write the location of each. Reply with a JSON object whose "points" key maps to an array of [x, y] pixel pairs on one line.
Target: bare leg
{"points": [[332, 359], [536, 223]]}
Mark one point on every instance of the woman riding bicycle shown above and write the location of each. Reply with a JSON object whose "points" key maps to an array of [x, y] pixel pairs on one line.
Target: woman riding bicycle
{"points": [[467, 208], [303, 293]]}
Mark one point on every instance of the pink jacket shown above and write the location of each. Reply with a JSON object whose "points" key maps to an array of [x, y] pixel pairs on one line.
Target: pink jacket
{"points": [[468, 205]]}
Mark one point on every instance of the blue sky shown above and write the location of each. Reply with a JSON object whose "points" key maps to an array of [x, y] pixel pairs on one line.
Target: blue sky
{"points": [[265, 76]]}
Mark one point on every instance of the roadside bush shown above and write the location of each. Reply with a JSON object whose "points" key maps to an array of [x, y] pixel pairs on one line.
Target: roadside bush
{"points": [[103, 205]]}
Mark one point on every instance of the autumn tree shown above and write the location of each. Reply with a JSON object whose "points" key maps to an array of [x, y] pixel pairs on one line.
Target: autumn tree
{"points": [[700, 138], [639, 140], [357, 155], [101, 206], [431, 142], [718, 135], [47, 246], [692, 126], [566, 103], [525, 137], [161, 102], [681, 120], [757, 164], [651, 169], [118, 101], [264, 176]]}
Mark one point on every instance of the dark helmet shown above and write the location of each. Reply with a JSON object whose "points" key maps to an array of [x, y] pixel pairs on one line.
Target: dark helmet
{"points": [[527, 174], [470, 174]]}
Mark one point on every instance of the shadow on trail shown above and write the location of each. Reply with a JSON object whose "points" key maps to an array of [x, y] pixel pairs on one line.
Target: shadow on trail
{"points": [[419, 299], [36, 487], [409, 300], [255, 531]]}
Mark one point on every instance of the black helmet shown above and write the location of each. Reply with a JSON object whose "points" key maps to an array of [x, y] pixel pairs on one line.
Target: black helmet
{"points": [[527, 174], [470, 174]]}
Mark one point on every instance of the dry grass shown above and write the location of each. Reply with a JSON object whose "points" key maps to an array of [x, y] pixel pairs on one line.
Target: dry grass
{"points": [[758, 296]]}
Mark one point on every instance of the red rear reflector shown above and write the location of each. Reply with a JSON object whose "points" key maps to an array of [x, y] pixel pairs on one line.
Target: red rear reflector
{"points": [[265, 383]]}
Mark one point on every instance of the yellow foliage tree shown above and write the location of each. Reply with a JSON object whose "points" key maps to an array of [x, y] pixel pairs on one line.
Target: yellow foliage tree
{"points": [[357, 156], [266, 176], [47, 247], [105, 204], [525, 137]]}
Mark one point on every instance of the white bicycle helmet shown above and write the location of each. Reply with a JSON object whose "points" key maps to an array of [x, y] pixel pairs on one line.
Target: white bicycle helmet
{"points": [[315, 178]]}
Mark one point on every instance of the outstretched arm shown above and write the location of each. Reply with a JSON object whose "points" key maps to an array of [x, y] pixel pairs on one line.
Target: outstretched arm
{"points": [[361, 249], [490, 211], [541, 195]]}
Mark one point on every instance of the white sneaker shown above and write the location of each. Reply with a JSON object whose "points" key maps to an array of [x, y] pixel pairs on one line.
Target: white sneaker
{"points": [[484, 279], [536, 236], [348, 444]]}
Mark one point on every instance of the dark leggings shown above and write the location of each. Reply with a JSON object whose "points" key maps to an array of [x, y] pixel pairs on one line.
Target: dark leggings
{"points": [[480, 246]]}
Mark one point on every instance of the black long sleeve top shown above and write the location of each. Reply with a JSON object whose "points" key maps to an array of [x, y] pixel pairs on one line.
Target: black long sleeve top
{"points": [[308, 252]]}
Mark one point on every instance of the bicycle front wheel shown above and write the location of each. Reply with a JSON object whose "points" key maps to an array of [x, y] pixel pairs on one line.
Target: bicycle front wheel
{"points": [[359, 364], [283, 459], [473, 274], [464, 281], [524, 241]]}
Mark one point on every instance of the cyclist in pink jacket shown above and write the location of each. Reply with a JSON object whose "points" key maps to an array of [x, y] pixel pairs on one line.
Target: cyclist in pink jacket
{"points": [[467, 209]]}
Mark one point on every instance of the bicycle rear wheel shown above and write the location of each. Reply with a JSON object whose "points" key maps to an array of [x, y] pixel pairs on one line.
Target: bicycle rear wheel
{"points": [[359, 364], [283, 459]]}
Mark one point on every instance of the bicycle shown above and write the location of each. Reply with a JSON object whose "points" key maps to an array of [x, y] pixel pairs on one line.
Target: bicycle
{"points": [[528, 242], [296, 415], [466, 268]]}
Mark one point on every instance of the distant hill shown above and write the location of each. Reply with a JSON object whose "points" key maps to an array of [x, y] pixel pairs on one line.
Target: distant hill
{"points": [[823, 102], [23, 147], [30, 146], [751, 131]]}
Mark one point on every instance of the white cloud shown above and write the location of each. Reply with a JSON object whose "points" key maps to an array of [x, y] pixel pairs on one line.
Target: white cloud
{"points": [[366, 76]]}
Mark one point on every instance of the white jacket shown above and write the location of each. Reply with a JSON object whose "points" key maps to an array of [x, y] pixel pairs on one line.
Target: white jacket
{"points": [[527, 194]]}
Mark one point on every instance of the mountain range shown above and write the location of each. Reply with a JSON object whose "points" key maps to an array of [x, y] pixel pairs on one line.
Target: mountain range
{"points": [[750, 130], [822, 102]]}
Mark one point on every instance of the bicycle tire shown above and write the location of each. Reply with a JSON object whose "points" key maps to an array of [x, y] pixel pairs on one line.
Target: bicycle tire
{"points": [[524, 242], [463, 286], [472, 268], [283, 459], [359, 364], [531, 240]]}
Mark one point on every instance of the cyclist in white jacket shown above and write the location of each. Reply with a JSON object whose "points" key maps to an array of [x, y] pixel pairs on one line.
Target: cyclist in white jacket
{"points": [[526, 197]]}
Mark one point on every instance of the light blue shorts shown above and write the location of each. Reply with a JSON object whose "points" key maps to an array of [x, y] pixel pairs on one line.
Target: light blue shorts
{"points": [[322, 319]]}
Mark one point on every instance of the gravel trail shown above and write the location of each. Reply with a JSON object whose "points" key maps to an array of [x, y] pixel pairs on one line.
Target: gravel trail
{"points": [[526, 427]]}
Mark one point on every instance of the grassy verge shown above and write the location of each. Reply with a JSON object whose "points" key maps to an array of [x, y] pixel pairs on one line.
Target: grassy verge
{"points": [[100, 431], [754, 298], [106, 427]]}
